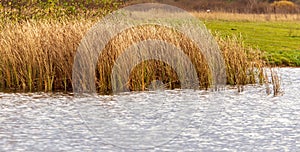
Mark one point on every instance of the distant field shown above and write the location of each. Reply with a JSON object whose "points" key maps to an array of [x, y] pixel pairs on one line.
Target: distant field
{"points": [[279, 39]]}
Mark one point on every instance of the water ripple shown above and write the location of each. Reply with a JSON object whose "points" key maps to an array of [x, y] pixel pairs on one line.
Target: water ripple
{"points": [[248, 121]]}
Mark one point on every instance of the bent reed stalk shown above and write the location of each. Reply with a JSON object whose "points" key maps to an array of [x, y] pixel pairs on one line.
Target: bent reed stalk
{"points": [[38, 56]]}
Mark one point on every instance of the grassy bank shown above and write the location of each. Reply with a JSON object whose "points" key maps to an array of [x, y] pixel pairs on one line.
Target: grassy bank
{"points": [[278, 35]]}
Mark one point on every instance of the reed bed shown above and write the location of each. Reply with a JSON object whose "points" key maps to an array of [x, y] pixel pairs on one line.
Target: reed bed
{"points": [[37, 55]]}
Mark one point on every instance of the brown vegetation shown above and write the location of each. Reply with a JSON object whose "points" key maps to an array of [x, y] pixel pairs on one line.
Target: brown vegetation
{"points": [[38, 56], [243, 65], [37, 48]]}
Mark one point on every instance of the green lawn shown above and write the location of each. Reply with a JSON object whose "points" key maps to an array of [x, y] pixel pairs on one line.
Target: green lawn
{"points": [[280, 40]]}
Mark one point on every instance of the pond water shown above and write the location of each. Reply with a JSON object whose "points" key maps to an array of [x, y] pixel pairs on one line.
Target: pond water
{"points": [[178, 120]]}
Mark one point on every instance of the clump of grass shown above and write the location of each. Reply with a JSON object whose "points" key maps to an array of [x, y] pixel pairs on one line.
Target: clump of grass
{"points": [[243, 64]]}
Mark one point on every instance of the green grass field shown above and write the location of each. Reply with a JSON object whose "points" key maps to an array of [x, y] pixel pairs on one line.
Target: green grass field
{"points": [[279, 40]]}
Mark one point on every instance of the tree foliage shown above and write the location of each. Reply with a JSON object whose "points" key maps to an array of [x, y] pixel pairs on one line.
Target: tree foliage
{"points": [[35, 9]]}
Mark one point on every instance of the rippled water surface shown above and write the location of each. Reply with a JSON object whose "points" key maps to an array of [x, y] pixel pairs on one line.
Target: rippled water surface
{"points": [[161, 120]]}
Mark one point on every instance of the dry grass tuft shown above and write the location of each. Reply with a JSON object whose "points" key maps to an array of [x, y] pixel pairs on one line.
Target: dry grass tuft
{"points": [[244, 65]]}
